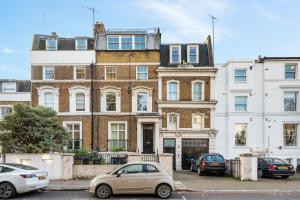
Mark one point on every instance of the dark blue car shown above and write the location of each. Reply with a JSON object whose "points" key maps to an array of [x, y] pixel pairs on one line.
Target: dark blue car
{"points": [[274, 167]]}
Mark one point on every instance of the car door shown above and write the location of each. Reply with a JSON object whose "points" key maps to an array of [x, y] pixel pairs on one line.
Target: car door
{"points": [[131, 179], [153, 177]]}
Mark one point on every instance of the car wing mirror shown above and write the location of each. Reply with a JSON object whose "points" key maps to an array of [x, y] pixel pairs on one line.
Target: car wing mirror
{"points": [[119, 173]]}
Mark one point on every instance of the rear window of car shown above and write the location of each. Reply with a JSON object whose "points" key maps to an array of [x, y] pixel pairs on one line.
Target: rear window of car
{"points": [[275, 161], [20, 166], [214, 158]]}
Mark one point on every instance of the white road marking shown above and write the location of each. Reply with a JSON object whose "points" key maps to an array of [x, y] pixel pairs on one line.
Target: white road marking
{"points": [[183, 198]]}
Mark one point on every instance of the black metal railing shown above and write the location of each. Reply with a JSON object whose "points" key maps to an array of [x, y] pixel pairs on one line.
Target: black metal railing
{"points": [[117, 145], [100, 159]]}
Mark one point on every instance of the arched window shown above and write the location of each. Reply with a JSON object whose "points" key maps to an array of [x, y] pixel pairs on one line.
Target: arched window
{"points": [[80, 102], [197, 90], [173, 90], [198, 121], [49, 100], [142, 101], [110, 99]]}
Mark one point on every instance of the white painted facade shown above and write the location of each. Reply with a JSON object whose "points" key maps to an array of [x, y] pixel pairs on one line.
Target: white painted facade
{"points": [[264, 88]]}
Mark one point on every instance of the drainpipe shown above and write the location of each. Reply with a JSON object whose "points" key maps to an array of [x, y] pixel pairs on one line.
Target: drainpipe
{"points": [[92, 105]]}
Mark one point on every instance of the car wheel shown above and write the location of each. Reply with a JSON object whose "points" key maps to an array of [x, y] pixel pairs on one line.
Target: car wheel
{"points": [[285, 176], [260, 173], [163, 191], [103, 191], [7, 191]]}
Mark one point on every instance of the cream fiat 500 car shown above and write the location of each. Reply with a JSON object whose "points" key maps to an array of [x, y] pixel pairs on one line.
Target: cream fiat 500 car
{"points": [[134, 178]]}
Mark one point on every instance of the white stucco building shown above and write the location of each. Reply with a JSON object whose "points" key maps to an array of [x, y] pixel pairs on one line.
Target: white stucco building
{"points": [[258, 107]]}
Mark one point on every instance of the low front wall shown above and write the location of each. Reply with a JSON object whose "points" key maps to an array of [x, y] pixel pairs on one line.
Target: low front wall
{"points": [[90, 171]]}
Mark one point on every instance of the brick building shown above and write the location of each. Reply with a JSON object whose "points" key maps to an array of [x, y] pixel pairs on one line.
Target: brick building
{"points": [[138, 95]]}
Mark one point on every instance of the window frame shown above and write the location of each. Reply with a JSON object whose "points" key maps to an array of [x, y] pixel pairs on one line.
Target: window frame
{"points": [[105, 74], [7, 106], [109, 137], [110, 93], [197, 53], [76, 44], [295, 73], [44, 72], [147, 102], [9, 82], [235, 76], [44, 89], [177, 120], [56, 44], [137, 73], [134, 42], [72, 95], [106, 90], [246, 134], [84, 102], [296, 100], [45, 99], [235, 104], [75, 72], [141, 89], [65, 123], [202, 115], [171, 54], [202, 97], [296, 137], [178, 90]]}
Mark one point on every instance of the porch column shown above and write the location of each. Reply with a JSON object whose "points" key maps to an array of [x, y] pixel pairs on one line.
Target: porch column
{"points": [[139, 137], [156, 150]]}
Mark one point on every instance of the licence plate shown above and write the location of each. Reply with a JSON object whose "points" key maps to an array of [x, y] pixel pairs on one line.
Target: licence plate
{"points": [[283, 168], [42, 177], [215, 164]]}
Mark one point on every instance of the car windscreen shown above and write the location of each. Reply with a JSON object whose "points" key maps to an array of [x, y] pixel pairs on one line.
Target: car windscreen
{"points": [[20, 166], [275, 161], [214, 158]]}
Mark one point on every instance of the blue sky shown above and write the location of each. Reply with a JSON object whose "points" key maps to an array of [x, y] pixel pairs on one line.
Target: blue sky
{"points": [[244, 29]]}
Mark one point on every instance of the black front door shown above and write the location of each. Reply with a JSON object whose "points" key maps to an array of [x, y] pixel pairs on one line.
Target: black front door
{"points": [[148, 138], [170, 147]]}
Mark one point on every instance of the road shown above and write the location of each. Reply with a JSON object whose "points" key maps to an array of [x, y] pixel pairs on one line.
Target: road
{"points": [[176, 195]]}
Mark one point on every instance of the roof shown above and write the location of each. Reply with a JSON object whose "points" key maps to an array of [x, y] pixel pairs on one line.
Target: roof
{"points": [[64, 44], [22, 85], [281, 58], [203, 55]]}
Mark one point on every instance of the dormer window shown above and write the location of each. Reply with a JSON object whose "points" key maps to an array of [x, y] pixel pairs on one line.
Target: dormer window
{"points": [[192, 54], [9, 87], [51, 44], [81, 44], [139, 42], [175, 54], [126, 42]]}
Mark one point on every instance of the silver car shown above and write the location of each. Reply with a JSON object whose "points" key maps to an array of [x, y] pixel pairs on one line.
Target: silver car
{"points": [[134, 178]]}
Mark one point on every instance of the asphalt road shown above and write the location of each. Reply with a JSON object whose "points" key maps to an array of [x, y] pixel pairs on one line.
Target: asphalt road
{"points": [[176, 195]]}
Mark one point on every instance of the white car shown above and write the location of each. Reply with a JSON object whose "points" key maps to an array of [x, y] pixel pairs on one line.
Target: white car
{"points": [[18, 178], [134, 178]]}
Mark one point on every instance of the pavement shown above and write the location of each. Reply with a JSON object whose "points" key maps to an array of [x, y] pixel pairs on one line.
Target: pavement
{"points": [[66, 195], [191, 182]]}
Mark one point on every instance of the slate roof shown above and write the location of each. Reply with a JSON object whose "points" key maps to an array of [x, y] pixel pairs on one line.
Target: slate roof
{"points": [[64, 44]]}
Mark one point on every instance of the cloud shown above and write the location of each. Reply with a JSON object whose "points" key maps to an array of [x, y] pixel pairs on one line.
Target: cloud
{"points": [[7, 50], [188, 19], [269, 15]]}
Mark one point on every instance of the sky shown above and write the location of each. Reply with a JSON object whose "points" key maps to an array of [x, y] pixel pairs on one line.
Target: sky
{"points": [[243, 29]]}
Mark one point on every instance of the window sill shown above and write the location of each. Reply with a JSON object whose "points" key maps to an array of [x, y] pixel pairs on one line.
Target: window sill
{"points": [[291, 147], [241, 147], [241, 81]]}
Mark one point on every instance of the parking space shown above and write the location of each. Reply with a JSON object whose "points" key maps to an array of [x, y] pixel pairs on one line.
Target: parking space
{"points": [[191, 181]]}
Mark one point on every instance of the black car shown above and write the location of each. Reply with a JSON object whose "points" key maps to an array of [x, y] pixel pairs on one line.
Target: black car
{"points": [[274, 167], [209, 163]]}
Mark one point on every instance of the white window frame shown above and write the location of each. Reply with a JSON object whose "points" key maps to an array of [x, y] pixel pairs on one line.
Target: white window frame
{"points": [[9, 82], [297, 134], [197, 53], [246, 142], [1, 106], [47, 44], [141, 89], [177, 123], [72, 93], [120, 42], [178, 89], [136, 72], [246, 103], [296, 70], [44, 71], [75, 72], [202, 121], [297, 99], [170, 53], [41, 95], [65, 123], [202, 90], [116, 69], [243, 81], [110, 89], [109, 135], [76, 44]]}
